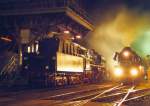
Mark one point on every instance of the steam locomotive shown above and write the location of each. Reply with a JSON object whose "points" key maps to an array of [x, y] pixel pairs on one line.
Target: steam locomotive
{"points": [[130, 66], [56, 61]]}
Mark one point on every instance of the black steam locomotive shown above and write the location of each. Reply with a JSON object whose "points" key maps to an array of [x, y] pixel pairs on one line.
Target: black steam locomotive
{"points": [[130, 66], [55, 61]]}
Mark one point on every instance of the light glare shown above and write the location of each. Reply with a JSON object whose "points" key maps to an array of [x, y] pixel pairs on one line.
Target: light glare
{"points": [[78, 37], [134, 72], [66, 32], [118, 72], [126, 53]]}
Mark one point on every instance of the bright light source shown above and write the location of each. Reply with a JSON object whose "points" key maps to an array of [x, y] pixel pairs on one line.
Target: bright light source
{"points": [[78, 36], [126, 53], [32, 48], [134, 72], [118, 72], [37, 47], [29, 49], [66, 32]]}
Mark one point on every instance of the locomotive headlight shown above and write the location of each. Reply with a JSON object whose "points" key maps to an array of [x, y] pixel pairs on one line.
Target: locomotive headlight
{"points": [[126, 53], [118, 72], [134, 72]]}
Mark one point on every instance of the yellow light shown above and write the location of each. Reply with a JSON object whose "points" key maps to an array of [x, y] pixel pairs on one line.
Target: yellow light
{"points": [[66, 32], [118, 72], [78, 37], [134, 72], [126, 53], [29, 49]]}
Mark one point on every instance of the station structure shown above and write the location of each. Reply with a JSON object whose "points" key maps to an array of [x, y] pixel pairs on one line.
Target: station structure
{"points": [[25, 21]]}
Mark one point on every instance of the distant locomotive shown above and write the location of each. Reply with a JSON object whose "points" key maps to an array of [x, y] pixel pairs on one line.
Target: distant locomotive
{"points": [[130, 67], [56, 61]]}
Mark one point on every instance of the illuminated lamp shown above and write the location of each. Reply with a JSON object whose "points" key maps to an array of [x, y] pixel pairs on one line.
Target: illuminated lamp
{"points": [[134, 72], [126, 53], [66, 32], [118, 72], [78, 36]]}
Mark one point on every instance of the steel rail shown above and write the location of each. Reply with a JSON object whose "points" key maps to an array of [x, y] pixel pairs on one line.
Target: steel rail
{"points": [[130, 90], [83, 102]]}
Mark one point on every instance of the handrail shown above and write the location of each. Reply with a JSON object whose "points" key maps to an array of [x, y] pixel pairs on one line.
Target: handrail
{"points": [[8, 68]]}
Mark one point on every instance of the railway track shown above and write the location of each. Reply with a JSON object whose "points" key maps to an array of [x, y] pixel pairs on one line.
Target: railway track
{"points": [[114, 96], [136, 96], [125, 97], [84, 97], [128, 97]]}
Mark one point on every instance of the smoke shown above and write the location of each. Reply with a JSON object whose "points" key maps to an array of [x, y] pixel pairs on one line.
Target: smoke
{"points": [[116, 29]]}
